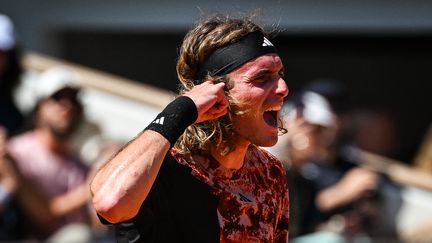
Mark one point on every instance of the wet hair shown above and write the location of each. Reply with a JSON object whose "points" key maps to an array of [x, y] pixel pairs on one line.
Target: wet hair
{"points": [[199, 43]]}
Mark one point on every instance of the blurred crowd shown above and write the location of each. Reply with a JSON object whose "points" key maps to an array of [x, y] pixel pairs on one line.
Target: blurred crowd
{"points": [[335, 195], [44, 192]]}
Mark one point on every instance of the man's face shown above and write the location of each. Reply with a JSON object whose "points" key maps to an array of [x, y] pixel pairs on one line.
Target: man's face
{"points": [[60, 114], [258, 92]]}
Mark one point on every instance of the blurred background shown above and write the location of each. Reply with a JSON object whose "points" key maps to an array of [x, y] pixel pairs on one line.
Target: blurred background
{"points": [[380, 49], [124, 55]]}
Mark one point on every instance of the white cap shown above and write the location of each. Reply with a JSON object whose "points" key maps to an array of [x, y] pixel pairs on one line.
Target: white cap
{"points": [[7, 36], [54, 79], [317, 110], [36, 86]]}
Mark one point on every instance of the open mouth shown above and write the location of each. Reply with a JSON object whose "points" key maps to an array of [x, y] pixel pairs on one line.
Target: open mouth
{"points": [[270, 118]]}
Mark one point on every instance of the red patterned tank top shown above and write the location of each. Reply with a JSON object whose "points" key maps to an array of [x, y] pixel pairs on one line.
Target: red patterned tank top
{"points": [[253, 204]]}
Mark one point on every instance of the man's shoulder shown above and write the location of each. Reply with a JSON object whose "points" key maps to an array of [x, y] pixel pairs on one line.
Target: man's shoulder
{"points": [[21, 142], [25, 136]]}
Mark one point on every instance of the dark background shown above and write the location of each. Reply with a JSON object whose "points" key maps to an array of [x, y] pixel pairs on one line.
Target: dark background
{"points": [[392, 72], [380, 49]]}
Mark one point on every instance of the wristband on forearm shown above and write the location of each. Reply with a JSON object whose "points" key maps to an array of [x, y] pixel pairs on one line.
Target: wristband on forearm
{"points": [[175, 118]]}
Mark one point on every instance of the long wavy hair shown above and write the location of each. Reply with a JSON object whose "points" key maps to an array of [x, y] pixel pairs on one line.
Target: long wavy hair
{"points": [[206, 37]]}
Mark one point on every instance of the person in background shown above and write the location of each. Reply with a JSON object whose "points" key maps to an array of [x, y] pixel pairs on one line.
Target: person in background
{"points": [[11, 120], [216, 184], [12, 227], [52, 186], [10, 71], [327, 191]]}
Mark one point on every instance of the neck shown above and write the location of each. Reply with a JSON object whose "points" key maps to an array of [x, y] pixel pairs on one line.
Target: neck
{"points": [[233, 160], [50, 141]]}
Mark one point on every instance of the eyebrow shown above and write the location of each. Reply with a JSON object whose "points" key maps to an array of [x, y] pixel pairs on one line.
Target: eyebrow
{"points": [[264, 71], [261, 71]]}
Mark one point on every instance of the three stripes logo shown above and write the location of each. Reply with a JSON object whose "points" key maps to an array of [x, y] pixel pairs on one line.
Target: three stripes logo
{"points": [[244, 198], [159, 121], [266, 42]]}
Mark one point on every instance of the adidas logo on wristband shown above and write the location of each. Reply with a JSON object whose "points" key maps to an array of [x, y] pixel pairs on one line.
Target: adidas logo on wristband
{"points": [[179, 114], [159, 121]]}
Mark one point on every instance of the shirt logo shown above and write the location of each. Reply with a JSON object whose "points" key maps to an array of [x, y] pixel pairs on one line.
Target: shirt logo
{"points": [[159, 121], [266, 42], [244, 198]]}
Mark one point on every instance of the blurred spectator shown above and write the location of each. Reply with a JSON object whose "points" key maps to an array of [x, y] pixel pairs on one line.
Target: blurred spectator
{"points": [[327, 192], [11, 226], [10, 71], [52, 181], [375, 130], [304, 119], [86, 141]]}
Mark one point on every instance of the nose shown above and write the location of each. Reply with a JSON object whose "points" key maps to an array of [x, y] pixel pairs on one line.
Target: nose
{"points": [[282, 88], [66, 104], [69, 106]]}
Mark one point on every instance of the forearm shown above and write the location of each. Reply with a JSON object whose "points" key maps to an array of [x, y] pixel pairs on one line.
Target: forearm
{"points": [[71, 201], [122, 185], [43, 209], [331, 198]]}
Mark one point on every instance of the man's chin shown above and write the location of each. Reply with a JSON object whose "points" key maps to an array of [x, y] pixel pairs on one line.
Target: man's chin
{"points": [[269, 142], [63, 132]]}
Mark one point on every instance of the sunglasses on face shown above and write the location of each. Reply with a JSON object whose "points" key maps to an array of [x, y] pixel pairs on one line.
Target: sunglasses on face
{"points": [[68, 94]]}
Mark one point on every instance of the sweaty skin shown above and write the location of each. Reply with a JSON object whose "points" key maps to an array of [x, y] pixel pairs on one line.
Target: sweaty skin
{"points": [[120, 187]]}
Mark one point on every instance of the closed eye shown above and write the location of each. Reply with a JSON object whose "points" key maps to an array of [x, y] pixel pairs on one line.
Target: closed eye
{"points": [[261, 76], [282, 73]]}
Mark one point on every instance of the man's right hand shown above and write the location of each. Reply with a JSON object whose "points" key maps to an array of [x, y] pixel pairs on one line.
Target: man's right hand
{"points": [[210, 100]]}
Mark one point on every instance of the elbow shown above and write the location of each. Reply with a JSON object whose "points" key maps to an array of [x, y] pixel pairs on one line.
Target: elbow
{"points": [[110, 208]]}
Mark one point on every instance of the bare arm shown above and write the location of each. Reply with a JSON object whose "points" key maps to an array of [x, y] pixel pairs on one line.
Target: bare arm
{"points": [[73, 199], [356, 183], [122, 185], [37, 205]]}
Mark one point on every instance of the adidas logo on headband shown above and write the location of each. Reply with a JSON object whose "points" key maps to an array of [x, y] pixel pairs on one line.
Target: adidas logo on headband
{"points": [[225, 59], [266, 42]]}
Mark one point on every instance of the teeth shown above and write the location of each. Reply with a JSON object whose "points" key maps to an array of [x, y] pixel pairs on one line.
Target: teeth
{"points": [[276, 108]]}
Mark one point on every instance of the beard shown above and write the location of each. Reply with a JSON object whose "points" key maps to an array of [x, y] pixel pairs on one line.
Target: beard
{"points": [[63, 131]]}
